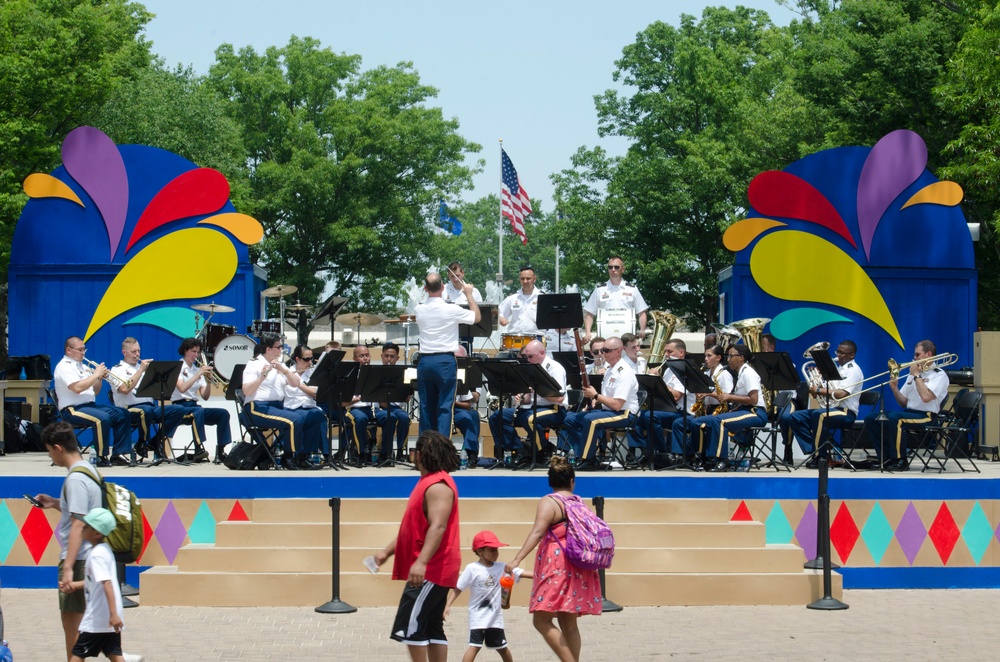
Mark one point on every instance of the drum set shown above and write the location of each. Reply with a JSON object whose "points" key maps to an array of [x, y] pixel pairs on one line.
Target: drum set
{"points": [[224, 347]]}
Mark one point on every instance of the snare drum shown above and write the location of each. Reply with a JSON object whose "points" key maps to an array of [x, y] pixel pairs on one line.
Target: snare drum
{"points": [[516, 341], [261, 327], [231, 352], [615, 323], [216, 333]]}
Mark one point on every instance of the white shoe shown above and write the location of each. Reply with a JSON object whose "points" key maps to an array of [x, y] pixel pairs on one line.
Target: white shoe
{"points": [[130, 657]]}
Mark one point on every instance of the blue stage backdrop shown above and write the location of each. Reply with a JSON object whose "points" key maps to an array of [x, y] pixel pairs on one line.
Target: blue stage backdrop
{"points": [[121, 241], [860, 244]]}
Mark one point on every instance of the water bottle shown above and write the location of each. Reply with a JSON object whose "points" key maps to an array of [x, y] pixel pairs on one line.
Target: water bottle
{"points": [[374, 456], [93, 459], [745, 464], [506, 458], [464, 462], [506, 586]]}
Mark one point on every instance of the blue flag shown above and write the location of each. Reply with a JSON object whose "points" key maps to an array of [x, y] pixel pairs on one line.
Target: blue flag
{"points": [[447, 221]]}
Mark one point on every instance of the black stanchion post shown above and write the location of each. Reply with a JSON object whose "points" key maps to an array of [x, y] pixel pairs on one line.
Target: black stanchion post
{"points": [[336, 605], [126, 602], [827, 602], [606, 605]]}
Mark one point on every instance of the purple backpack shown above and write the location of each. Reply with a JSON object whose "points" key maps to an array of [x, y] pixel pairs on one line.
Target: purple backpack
{"points": [[590, 544]]}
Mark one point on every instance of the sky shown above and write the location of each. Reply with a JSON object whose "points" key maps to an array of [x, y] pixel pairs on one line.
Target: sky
{"points": [[523, 72]]}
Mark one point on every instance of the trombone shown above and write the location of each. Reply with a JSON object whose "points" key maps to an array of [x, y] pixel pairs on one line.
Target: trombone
{"points": [[936, 361], [213, 378], [109, 376]]}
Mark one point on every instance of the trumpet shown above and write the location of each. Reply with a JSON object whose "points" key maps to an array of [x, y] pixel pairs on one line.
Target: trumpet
{"points": [[931, 362], [109, 376], [212, 376]]}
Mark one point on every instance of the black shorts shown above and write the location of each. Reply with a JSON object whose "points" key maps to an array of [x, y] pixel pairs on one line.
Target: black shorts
{"points": [[490, 637], [420, 617], [92, 644]]}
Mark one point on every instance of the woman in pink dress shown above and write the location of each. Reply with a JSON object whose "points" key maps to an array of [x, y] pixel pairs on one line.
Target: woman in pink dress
{"points": [[559, 591]]}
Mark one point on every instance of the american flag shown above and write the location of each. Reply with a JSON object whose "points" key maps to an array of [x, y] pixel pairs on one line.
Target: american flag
{"points": [[514, 203]]}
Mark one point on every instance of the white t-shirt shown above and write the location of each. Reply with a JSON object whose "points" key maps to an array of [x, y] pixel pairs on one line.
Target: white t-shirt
{"points": [[69, 372], [620, 383], [850, 381], [126, 372], [100, 568], [453, 294], [193, 393], [438, 322], [615, 297], [272, 389], [78, 496], [521, 311], [936, 380], [748, 381], [483, 585], [296, 398]]}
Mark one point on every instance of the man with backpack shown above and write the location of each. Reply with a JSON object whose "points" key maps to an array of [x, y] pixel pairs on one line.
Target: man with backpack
{"points": [[79, 495]]}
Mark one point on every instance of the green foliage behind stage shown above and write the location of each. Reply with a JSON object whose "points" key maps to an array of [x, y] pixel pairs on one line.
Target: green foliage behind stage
{"points": [[344, 166]]}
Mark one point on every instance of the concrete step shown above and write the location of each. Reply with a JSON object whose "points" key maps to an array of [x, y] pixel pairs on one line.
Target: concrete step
{"points": [[772, 558], [486, 510], [166, 586], [375, 534]]}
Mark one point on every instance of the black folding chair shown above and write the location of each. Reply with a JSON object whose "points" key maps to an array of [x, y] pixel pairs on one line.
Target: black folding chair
{"points": [[266, 438], [760, 443], [618, 439], [950, 436], [851, 438]]}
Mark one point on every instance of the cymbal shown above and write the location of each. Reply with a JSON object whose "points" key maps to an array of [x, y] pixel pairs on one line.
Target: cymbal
{"points": [[213, 308], [298, 306], [280, 290], [355, 319]]}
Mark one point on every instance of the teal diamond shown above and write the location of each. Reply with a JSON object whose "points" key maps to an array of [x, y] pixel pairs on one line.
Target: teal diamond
{"points": [[777, 530], [877, 533], [977, 533], [8, 531], [202, 529]]}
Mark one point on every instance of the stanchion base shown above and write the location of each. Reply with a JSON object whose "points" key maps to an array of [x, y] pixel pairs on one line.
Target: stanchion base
{"points": [[817, 564], [129, 590], [607, 606], [128, 604], [827, 603], [336, 606]]}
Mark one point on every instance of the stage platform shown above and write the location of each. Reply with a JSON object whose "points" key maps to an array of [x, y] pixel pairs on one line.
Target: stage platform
{"points": [[907, 530]]}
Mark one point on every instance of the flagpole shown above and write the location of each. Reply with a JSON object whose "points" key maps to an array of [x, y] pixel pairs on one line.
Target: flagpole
{"points": [[557, 269], [500, 223]]}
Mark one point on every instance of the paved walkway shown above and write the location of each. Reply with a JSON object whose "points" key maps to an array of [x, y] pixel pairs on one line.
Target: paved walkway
{"points": [[880, 625]]}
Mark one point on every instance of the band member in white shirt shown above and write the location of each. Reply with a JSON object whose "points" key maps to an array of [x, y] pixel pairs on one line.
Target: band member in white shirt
{"points": [[616, 294], [397, 420], [437, 371], [518, 311], [706, 403], [192, 385], [303, 397], [921, 396], [264, 381], [809, 425], [144, 412], [453, 289], [746, 404], [615, 407], [76, 390], [663, 420]]}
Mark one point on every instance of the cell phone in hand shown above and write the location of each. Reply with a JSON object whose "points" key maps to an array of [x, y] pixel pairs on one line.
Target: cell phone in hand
{"points": [[34, 502]]}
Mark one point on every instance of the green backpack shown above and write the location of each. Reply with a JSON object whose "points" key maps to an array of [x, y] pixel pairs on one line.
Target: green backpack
{"points": [[127, 538]]}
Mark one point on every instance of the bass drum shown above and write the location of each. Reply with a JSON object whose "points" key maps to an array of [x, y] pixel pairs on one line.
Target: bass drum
{"points": [[231, 352]]}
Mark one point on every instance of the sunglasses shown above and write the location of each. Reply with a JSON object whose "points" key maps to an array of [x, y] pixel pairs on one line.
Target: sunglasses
{"points": [[613, 267], [605, 350]]}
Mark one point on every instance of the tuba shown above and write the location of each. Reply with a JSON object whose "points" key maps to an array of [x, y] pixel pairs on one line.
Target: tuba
{"points": [[727, 335], [663, 330], [751, 329]]}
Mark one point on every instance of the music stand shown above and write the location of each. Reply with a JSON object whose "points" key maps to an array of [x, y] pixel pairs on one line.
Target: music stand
{"points": [[536, 379], [829, 372], [158, 382], [484, 328], [694, 381], [384, 383], [500, 379], [777, 373], [656, 394], [331, 378], [559, 311]]}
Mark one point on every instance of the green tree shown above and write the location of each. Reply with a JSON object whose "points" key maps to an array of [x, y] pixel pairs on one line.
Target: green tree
{"points": [[59, 61], [971, 89], [707, 108], [177, 111], [346, 166]]}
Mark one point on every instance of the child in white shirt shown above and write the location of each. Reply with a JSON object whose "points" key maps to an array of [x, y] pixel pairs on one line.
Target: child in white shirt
{"points": [[100, 629], [485, 613]]}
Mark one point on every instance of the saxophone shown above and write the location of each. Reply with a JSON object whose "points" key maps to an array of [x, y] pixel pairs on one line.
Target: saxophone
{"points": [[699, 408]]}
